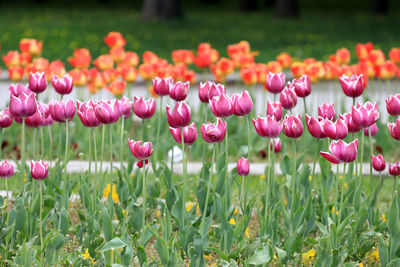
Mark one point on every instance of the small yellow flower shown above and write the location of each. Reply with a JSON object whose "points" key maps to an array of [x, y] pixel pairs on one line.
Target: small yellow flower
{"points": [[189, 206], [340, 177], [132, 175], [106, 191], [198, 210], [308, 256], [262, 176], [354, 173], [5, 203], [284, 202], [158, 214], [212, 265], [208, 257], [345, 186], [114, 195], [235, 211], [86, 255], [232, 221], [125, 212], [333, 210], [247, 232], [361, 264], [25, 177], [383, 218], [373, 255], [310, 178]]}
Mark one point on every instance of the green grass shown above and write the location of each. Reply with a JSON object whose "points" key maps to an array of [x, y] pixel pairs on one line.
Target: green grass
{"points": [[315, 34]]}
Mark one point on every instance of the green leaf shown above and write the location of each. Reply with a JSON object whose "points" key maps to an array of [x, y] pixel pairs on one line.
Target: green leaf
{"points": [[162, 250], [261, 256], [113, 244], [107, 223], [286, 165], [141, 253]]}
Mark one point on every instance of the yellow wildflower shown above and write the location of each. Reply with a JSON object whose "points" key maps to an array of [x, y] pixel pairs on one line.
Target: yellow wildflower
{"points": [[114, 195], [25, 177], [132, 175], [361, 264], [5, 203], [198, 210], [235, 211], [308, 257], [247, 232], [158, 214], [310, 178], [345, 186], [208, 257], [262, 176], [333, 210], [284, 202], [354, 173], [106, 191], [232, 221], [125, 212], [86, 255], [189, 206], [373, 255], [340, 177], [383, 218]]}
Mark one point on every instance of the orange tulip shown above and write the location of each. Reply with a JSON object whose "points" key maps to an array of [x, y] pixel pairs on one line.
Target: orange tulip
{"points": [[331, 70], [285, 60], [190, 76], [79, 76], [92, 88], [16, 73], [110, 75], [12, 58], [261, 72], [241, 60], [183, 56], [114, 39], [96, 79], [128, 74], [315, 71], [104, 62], [117, 88], [117, 53], [274, 67], [342, 56], [147, 71], [387, 70], [367, 68], [81, 58], [31, 46], [206, 55], [40, 64], [243, 47], [394, 55], [248, 75], [149, 57], [224, 66], [131, 59], [56, 68], [377, 57], [297, 69], [24, 59], [363, 50]]}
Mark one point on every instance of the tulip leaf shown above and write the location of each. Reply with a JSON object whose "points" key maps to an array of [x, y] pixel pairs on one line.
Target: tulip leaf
{"points": [[261, 256], [113, 244]]}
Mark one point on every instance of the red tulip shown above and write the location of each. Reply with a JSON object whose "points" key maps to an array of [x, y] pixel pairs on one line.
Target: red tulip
{"points": [[189, 134], [327, 111], [267, 126], [378, 163], [179, 91], [39, 170], [315, 126], [161, 86], [144, 109], [125, 107], [62, 111], [221, 106], [139, 150], [275, 82], [292, 126], [288, 98], [5, 118], [37, 82], [373, 128], [242, 104], [107, 112], [274, 109], [276, 142], [394, 169], [23, 105], [302, 86], [335, 130], [216, 89], [341, 151], [351, 126], [394, 129], [6, 169], [87, 115], [63, 85], [393, 105], [352, 86], [179, 116], [243, 167], [213, 133], [365, 115]]}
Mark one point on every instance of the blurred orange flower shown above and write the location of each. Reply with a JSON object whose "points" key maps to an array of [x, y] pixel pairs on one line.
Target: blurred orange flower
{"points": [[117, 88], [297, 69], [114, 39], [81, 58], [24, 59], [285, 60], [342, 56], [104, 62], [117, 53], [12, 58], [387, 70], [131, 59], [274, 67], [31, 46], [79, 76], [128, 74], [182, 56], [363, 50], [16, 73], [377, 57], [394, 55]]}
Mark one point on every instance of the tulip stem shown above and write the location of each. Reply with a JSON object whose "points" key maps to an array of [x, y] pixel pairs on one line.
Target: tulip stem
{"points": [[315, 158], [102, 147], [143, 127], [294, 173], [341, 195], [205, 143], [184, 177], [22, 152], [361, 157], [144, 198], [8, 202], [41, 142], [394, 185], [51, 142], [40, 222], [226, 171], [66, 148], [208, 186], [388, 87], [172, 161], [95, 150], [335, 200], [243, 207], [370, 164], [305, 106], [34, 142], [121, 142], [267, 191], [1, 142], [248, 156], [111, 151], [158, 128], [90, 153], [379, 187]]}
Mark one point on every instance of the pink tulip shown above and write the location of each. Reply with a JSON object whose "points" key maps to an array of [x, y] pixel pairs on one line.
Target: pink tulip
{"points": [[125, 107], [107, 112], [274, 109], [179, 91], [204, 89], [87, 115], [63, 85], [242, 104], [221, 106], [327, 111], [352, 86], [288, 98], [144, 109], [276, 142], [335, 130], [161, 86], [315, 126], [18, 89], [216, 89], [267, 126], [365, 115], [39, 170], [292, 126], [36, 119], [179, 116], [243, 167], [5, 118], [47, 121], [139, 150], [213, 133], [393, 105], [302, 86], [189, 134], [348, 119], [341, 152], [6, 169], [378, 163], [23, 105], [37, 82], [373, 128], [62, 111], [275, 82], [394, 129], [394, 169]]}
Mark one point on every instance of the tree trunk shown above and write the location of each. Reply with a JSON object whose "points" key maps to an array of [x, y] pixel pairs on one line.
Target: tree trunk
{"points": [[161, 9], [286, 8]]}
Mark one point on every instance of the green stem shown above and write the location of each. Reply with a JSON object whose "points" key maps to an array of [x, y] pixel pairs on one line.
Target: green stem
{"points": [[394, 185], [294, 173], [184, 178], [248, 156], [8, 202], [121, 143], [41, 142], [51, 143], [267, 190], [34, 142], [370, 164], [1, 142], [361, 157], [111, 152], [144, 198], [388, 87], [158, 129], [66, 148], [23, 163], [335, 201], [315, 158], [208, 186], [90, 153], [95, 150], [102, 147], [305, 106], [341, 195], [143, 129], [205, 143], [226, 173], [40, 223]]}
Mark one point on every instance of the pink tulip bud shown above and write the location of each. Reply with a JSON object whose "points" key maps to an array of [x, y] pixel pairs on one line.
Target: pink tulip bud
{"points": [[6, 169], [373, 128], [341, 152], [393, 105], [394, 169], [125, 107], [39, 170], [216, 89], [275, 144], [179, 91], [288, 98], [327, 111], [179, 116], [378, 163], [335, 130], [242, 104], [275, 82], [62, 111], [204, 89], [394, 129], [274, 109], [139, 150], [5, 118], [302, 86], [37, 82], [107, 112], [18, 89], [161, 86], [23, 105], [36, 119], [243, 167], [352, 86], [87, 115], [365, 115], [189, 134], [63, 85], [144, 109], [267, 126], [142, 163], [348, 119], [213, 133], [315, 126], [221, 106], [292, 126]]}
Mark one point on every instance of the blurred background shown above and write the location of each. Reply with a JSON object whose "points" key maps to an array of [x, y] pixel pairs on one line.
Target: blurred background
{"points": [[303, 28]]}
